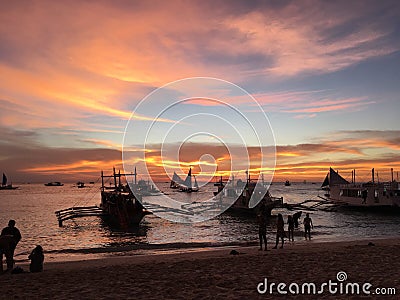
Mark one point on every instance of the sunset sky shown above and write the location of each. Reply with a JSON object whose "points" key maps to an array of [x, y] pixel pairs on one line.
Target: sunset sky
{"points": [[326, 74]]}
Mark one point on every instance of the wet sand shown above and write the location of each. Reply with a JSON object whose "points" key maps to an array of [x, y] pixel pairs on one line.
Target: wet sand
{"points": [[214, 273]]}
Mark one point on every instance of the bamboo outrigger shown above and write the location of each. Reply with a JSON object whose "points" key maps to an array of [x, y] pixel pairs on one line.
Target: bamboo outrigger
{"points": [[77, 212]]}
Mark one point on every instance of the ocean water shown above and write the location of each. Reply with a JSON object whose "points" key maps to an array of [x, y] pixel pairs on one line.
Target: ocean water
{"points": [[33, 207]]}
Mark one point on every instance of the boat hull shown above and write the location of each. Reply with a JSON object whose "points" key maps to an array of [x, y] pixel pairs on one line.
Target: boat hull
{"points": [[8, 187], [372, 196], [122, 208], [376, 195]]}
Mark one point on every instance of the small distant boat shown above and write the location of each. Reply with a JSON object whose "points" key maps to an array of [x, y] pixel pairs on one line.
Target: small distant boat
{"points": [[287, 183], [184, 185], [80, 184], [54, 183], [5, 186]]}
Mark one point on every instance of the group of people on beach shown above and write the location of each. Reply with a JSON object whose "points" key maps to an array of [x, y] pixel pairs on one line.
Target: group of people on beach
{"points": [[9, 239], [292, 221]]}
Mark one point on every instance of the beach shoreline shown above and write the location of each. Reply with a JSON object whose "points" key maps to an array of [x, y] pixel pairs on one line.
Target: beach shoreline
{"points": [[68, 255], [212, 273]]}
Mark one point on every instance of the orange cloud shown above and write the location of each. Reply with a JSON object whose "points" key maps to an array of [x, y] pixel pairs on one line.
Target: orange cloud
{"points": [[76, 167]]}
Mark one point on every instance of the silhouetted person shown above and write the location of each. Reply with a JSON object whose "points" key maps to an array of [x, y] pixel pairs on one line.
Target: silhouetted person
{"points": [[364, 195], [290, 223], [280, 230], [37, 259], [5, 248], [14, 232], [296, 218], [307, 226], [262, 230]]}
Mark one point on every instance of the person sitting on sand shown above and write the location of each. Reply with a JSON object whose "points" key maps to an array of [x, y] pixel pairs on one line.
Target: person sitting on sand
{"points": [[307, 226], [290, 223], [280, 230], [262, 230], [37, 259]]}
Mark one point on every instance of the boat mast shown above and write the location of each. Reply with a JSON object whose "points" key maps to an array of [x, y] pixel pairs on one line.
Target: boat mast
{"points": [[373, 176], [135, 174], [115, 178], [102, 181], [353, 176]]}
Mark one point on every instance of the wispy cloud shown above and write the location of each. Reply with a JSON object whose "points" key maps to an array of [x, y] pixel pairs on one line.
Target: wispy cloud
{"points": [[308, 104], [295, 36]]}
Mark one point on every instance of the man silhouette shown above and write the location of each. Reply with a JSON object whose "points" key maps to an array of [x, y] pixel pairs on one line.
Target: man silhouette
{"points": [[12, 231]]}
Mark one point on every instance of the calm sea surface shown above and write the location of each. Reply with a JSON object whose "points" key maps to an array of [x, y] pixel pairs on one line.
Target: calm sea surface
{"points": [[33, 207]]}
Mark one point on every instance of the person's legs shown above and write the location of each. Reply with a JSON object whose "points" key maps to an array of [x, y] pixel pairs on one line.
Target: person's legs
{"points": [[9, 259], [1, 261], [282, 242], [307, 232], [261, 239], [277, 242], [11, 255], [265, 240]]}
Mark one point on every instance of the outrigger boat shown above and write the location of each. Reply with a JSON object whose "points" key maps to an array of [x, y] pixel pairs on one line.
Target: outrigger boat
{"points": [[371, 194], [119, 205], [243, 192]]}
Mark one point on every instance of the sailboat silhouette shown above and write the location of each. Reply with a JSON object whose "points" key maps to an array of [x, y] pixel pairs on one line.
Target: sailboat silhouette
{"points": [[5, 186]]}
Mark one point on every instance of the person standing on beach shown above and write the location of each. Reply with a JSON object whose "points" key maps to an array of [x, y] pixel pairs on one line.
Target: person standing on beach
{"points": [[307, 226], [5, 248], [280, 230], [262, 230], [14, 232], [296, 218], [290, 223]]}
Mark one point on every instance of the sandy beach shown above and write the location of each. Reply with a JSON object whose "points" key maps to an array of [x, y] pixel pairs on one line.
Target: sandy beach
{"points": [[214, 273]]}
